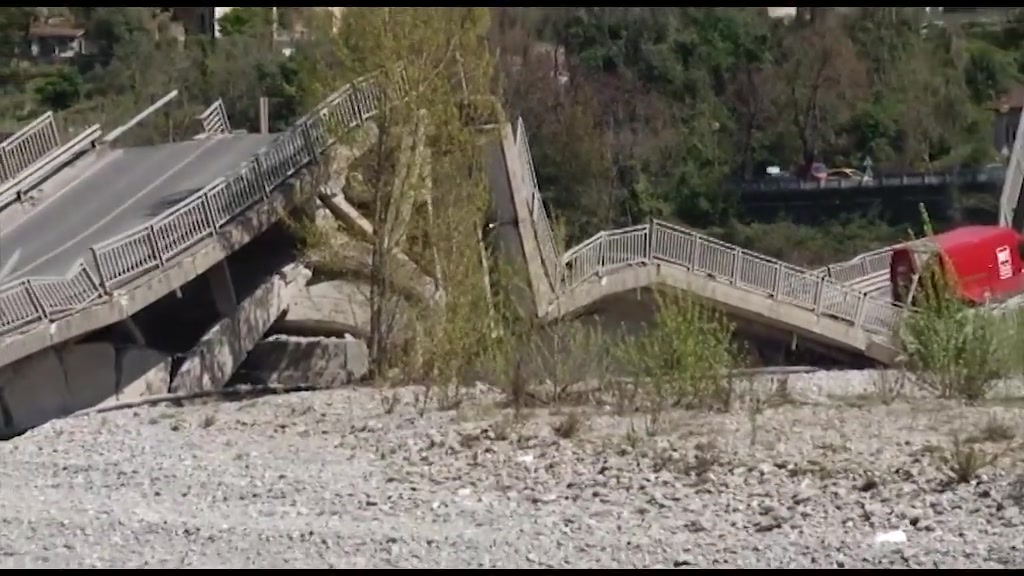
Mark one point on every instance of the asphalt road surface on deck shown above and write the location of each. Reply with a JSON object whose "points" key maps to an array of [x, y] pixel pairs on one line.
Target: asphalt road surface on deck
{"points": [[111, 194]]}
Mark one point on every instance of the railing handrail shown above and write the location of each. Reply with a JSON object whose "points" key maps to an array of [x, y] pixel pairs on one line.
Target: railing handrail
{"points": [[612, 249], [909, 179], [773, 277], [26, 146]]}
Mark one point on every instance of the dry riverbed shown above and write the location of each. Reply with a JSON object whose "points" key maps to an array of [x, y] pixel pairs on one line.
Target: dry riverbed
{"points": [[341, 479]]}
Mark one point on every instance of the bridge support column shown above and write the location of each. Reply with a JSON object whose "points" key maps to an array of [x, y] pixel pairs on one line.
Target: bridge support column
{"points": [[223, 288], [134, 332], [212, 361]]}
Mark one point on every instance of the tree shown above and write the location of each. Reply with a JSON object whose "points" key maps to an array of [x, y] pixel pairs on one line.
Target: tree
{"points": [[60, 91], [254, 22], [109, 27], [988, 72], [823, 78], [430, 62], [14, 26]]}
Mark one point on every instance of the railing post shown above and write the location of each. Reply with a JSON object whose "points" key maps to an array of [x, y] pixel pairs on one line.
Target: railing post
{"points": [[154, 244], [695, 253], [37, 300], [650, 241], [777, 285], [862, 304], [207, 205], [307, 136], [99, 270], [261, 173], [601, 248], [358, 102], [737, 264], [819, 291]]}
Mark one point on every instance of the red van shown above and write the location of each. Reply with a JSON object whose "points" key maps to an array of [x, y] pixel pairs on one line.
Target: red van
{"points": [[986, 262]]}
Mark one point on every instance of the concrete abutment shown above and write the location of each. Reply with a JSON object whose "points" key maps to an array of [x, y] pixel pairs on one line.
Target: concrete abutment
{"points": [[60, 381]]}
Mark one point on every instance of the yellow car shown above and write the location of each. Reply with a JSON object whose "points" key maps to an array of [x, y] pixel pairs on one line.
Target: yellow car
{"points": [[847, 174]]}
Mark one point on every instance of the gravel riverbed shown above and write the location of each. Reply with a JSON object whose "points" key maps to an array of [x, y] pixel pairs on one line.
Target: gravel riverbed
{"points": [[332, 479]]}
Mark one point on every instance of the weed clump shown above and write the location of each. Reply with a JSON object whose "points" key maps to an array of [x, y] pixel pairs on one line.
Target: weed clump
{"points": [[682, 361]]}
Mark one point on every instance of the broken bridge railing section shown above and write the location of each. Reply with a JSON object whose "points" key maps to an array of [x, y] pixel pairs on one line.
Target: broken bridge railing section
{"points": [[27, 146], [663, 243], [862, 266], [215, 119], [549, 251], [118, 261], [822, 291]]}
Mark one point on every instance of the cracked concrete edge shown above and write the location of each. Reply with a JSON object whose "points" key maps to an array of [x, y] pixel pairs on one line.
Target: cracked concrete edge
{"points": [[220, 351]]}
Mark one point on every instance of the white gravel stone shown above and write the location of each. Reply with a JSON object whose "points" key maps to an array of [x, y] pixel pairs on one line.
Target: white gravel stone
{"points": [[329, 479]]}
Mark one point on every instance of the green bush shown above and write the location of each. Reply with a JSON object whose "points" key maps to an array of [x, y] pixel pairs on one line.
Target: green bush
{"points": [[953, 349], [683, 360]]}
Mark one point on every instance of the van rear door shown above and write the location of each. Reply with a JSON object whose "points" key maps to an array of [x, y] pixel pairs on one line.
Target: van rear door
{"points": [[901, 274]]}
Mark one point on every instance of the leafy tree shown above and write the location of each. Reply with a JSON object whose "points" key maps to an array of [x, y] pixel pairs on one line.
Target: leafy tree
{"points": [[107, 28], [250, 21], [988, 72], [14, 26], [59, 91], [440, 57]]}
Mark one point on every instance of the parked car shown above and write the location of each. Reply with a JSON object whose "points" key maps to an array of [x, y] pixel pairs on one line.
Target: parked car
{"points": [[847, 174], [819, 172]]}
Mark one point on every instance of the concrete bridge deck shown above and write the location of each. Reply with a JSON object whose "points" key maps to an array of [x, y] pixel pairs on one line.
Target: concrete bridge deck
{"points": [[109, 193], [177, 211]]}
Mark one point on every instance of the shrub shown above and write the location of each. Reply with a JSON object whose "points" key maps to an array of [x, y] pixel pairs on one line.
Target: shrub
{"points": [[683, 360], [952, 348]]}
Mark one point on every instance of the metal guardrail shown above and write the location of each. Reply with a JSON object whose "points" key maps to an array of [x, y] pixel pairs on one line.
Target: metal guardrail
{"points": [[862, 266], [120, 260], [28, 145], [777, 184], [539, 215], [663, 243], [44, 167]]}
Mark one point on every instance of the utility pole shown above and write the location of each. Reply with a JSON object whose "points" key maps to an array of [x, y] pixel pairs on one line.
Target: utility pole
{"points": [[264, 115]]}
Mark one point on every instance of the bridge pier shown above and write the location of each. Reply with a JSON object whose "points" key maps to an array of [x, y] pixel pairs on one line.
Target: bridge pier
{"points": [[132, 330], [224, 296], [211, 362]]}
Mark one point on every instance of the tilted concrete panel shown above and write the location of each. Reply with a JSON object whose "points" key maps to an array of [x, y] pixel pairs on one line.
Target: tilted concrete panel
{"points": [[515, 233], [344, 302], [210, 363], [143, 372], [294, 360], [91, 372]]}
